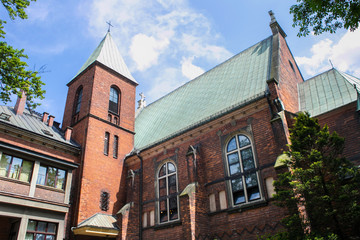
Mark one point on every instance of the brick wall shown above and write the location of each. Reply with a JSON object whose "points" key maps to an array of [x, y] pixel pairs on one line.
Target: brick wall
{"points": [[346, 122], [210, 167], [289, 78], [99, 172]]}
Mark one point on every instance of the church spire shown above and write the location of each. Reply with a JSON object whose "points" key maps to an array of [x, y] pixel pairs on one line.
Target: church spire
{"points": [[108, 54]]}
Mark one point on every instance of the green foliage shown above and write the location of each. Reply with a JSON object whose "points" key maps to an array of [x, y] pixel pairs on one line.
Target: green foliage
{"points": [[325, 15], [13, 74], [321, 181]]}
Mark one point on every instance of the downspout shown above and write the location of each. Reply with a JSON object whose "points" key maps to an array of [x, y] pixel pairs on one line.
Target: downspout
{"points": [[140, 193]]}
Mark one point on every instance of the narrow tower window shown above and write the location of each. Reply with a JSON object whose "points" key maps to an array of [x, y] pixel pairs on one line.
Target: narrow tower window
{"points": [[106, 143], [77, 104], [78, 100], [104, 200], [114, 100], [116, 146]]}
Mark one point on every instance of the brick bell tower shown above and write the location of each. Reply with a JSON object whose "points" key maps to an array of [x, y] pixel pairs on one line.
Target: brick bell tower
{"points": [[100, 109]]}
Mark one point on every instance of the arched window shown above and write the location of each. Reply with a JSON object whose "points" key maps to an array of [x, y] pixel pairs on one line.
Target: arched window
{"points": [[167, 193], [244, 179], [78, 98], [114, 100]]}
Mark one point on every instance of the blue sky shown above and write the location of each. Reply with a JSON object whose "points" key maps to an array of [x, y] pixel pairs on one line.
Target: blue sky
{"points": [[164, 43]]}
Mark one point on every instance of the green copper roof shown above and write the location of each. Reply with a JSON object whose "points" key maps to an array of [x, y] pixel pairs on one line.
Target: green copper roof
{"points": [[327, 91], [237, 81], [108, 54]]}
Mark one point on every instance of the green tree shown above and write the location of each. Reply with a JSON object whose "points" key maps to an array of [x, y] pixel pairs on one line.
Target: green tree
{"points": [[325, 15], [321, 181], [14, 76]]}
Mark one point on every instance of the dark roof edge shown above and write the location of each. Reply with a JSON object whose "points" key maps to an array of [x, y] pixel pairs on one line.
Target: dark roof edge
{"points": [[204, 121], [38, 155]]}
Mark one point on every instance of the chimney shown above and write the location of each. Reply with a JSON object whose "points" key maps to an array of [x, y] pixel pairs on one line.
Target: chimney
{"points": [[45, 117], [20, 103], [68, 132], [51, 120]]}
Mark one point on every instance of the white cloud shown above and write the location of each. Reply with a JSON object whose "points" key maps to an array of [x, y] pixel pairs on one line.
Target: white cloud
{"points": [[50, 49], [165, 34], [145, 50], [159, 87], [194, 44], [189, 70], [38, 11], [345, 55]]}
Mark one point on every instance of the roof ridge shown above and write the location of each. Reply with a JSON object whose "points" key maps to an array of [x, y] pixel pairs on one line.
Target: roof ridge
{"points": [[205, 73], [354, 82], [331, 69]]}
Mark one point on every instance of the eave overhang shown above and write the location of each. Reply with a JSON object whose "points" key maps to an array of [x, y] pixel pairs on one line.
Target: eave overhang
{"points": [[96, 232]]}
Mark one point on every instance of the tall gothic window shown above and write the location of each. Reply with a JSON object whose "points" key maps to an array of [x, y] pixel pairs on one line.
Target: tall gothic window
{"points": [[114, 100], [244, 179], [168, 203]]}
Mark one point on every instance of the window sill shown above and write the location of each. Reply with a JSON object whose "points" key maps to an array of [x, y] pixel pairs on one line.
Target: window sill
{"points": [[14, 181], [167, 225], [50, 188], [248, 206]]}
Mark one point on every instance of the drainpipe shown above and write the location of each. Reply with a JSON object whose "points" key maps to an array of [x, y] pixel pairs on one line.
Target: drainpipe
{"points": [[140, 193]]}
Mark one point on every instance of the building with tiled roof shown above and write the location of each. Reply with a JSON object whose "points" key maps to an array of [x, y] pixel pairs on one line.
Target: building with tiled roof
{"points": [[197, 163]]}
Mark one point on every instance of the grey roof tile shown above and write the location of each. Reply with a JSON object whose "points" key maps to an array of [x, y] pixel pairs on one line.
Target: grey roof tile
{"points": [[33, 123]]}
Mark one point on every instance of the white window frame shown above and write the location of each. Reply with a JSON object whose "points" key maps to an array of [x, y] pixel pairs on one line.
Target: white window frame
{"points": [[242, 173], [166, 176]]}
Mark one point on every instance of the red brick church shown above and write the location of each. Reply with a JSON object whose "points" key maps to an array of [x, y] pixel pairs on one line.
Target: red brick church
{"points": [[196, 164]]}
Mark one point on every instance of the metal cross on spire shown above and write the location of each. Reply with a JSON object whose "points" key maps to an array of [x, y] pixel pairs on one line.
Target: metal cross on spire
{"points": [[109, 23]]}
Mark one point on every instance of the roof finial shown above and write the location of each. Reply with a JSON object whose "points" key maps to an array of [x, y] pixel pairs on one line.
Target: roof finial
{"points": [[109, 22], [272, 16], [141, 104], [332, 66], [274, 25]]}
